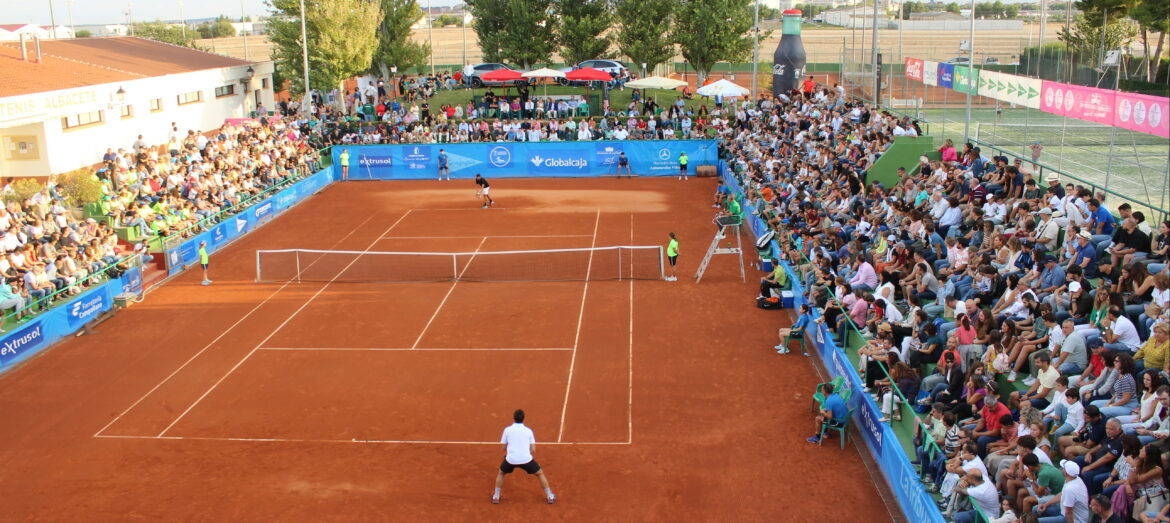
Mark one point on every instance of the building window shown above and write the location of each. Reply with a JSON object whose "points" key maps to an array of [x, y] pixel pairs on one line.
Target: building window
{"points": [[127, 111], [81, 120], [225, 90], [191, 97], [156, 105], [264, 83]]}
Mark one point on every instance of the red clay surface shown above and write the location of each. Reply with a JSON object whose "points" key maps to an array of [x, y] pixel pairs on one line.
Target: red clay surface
{"points": [[236, 402]]}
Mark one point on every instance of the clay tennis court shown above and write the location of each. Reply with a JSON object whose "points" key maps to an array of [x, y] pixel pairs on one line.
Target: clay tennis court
{"points": [[338, 398]]}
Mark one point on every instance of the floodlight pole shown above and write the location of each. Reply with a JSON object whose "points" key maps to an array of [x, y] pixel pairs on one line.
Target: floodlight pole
{"points": [[305, 56], [970, 73], [431, 35], [877, 75], [755, 51]]}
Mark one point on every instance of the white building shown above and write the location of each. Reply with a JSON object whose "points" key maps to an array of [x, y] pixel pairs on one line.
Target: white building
{"points": [[12, 32], [90, 94], [854, 17]]}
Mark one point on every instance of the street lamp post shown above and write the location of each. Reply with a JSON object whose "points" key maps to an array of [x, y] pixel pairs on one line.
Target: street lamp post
{"points": [[877, 74], [431, 35]]}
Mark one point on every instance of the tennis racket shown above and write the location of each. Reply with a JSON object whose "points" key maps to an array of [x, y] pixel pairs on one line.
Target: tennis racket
{"points": [[478, 194]]}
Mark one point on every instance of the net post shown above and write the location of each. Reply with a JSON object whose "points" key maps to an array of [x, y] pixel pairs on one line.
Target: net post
{"points": [[454, 267], [297, 254], [258, 278], [661, 263]]}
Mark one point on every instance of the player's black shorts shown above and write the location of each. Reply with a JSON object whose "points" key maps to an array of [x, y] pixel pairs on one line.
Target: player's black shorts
{"points": [[532, 467], [673, 260]]}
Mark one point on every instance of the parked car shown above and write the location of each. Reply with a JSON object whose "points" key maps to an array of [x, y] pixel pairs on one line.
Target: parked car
{"points": [[960, 60], [613, 67], [472, 73], [991, 60]]}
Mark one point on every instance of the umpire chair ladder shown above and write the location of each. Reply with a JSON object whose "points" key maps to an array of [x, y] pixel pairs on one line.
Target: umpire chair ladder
{"points": [[726, 224]]}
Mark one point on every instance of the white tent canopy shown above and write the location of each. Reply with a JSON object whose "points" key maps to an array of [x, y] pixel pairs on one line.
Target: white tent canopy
{"points": [[656, 82], [544, 72], [723, 88]]}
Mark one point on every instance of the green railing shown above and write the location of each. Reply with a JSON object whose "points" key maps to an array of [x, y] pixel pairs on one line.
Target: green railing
{"points": [[46, 302]]}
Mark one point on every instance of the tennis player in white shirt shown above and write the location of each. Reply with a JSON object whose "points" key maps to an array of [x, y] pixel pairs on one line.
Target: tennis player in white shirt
{"points": [[519, 443]]}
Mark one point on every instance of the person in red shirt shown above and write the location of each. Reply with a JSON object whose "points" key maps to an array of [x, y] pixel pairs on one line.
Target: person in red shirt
{"points": [[990, 421], [808, 86]]}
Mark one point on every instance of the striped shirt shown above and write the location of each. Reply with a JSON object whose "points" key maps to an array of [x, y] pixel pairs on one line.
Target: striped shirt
{"points": [[1125, 383]]}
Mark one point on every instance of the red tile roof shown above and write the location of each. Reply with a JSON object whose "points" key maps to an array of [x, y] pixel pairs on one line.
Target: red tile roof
{"points": [[91, 61]]}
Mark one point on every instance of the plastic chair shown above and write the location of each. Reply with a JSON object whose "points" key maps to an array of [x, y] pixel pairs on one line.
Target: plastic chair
{"points": [[798, 335], [819, 398], [843, 429]]}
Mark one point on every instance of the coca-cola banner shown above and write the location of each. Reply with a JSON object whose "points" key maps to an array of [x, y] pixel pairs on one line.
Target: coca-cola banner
{"points": [[1142, 113], [929, 72], [914, 69], [1074, 101]]}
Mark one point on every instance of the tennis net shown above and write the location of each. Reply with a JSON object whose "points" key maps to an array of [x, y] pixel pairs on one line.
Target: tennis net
{"points": [[638, 262]]}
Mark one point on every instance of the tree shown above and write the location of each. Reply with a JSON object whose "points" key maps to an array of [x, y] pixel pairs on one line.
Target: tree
{"points": [[83, 33], [1084, 38], [1152, 16], [342, 36], [710, 31], [767, 13], [163, 32], [446, 20], [395, 46], [640, 34], [517, 31], [953, 8], [583, 23], [221, 28]]}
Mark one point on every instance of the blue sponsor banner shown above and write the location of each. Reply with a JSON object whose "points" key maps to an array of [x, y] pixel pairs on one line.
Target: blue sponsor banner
{"points": [[913, 500], [946, 75], [132, 281], [187, 254], [521, 159], [63, 320], [87, 306]]}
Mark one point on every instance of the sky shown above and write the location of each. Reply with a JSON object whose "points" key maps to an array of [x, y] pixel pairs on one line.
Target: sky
{"points": [[92, 12]]}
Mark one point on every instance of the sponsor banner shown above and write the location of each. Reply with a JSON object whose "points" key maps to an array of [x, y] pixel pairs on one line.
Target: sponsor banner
{"points": [[87, 306], [929, 72], [519, 159], [1074, 101], [132, 281], [1010, 88], [1142, 113], [914, 69], [963, 75], [559, 162], [186, 254], [63, 320], [946, 75], [22, 342]]}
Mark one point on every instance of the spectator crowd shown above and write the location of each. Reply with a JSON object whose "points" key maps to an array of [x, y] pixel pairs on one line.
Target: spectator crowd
{"points": [[149, 191], [1026, 318]]}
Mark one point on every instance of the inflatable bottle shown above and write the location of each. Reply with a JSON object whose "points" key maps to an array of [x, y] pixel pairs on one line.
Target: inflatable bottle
{"points": [[789, 60]]}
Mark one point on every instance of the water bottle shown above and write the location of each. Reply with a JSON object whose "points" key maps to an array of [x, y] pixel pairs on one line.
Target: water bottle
{"points": [[789, 60]]}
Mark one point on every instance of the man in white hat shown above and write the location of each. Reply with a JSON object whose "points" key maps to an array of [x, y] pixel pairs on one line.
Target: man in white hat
{"points": [[1047, 231], [1073, 498], [1085, 255]]}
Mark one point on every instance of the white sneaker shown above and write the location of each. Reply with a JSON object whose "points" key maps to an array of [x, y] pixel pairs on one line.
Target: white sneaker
{"points": [[1011, 376], [1029, 381], [552, 498]]}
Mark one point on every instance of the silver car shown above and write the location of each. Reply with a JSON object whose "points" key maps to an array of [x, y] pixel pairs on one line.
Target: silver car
{"points": [[613, 67], [472, 73]]}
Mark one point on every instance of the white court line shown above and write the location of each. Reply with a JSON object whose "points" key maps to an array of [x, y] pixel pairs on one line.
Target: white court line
{"points": [[630, 400], [449, 291], [419, 349], [492, 236], [217, 338], [281, 326], [352, 441], [580, 317]]}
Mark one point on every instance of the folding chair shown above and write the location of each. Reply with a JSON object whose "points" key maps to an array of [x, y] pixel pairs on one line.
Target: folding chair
{"points": [[819, 398]]}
